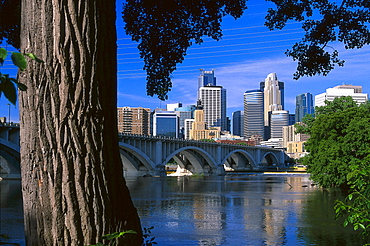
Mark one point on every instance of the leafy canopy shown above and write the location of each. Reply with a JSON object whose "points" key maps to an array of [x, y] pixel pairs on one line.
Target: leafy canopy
{"points": [[165, 33], [339, 155], [324, 21]]}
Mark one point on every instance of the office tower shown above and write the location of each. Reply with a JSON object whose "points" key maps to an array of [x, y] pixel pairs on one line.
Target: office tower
{"points": [[238, 123], [273, 91], [253, 113], [304, 105], [206, 78], [188, 124], [134, 120], [279, 119], [338, 91], [291, 119], [213, 100], [165, 124], [199, 129]]}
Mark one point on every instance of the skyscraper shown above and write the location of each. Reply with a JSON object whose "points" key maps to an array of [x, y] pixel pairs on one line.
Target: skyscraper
{"points": [[134, 120], [166, 124], [206, 78], [253, 113], [273, 91], [279, 119], [304, 105], [213, 100], [238, 123]]}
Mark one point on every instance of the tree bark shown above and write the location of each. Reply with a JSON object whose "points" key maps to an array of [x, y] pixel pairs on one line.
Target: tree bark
{"points": [[72, 177]]}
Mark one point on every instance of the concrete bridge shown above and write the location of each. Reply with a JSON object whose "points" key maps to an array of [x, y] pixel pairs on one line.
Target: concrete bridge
{"points": [[143, 155], [9, 151], [148, 155]]}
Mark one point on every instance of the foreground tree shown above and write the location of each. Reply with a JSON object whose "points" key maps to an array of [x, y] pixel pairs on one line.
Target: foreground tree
{"points": [[72, 178], [339, 155]]}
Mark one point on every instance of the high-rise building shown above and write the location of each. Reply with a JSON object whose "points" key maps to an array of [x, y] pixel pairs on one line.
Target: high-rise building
{"points": [[188, 125], [238, 123], [213, 100], [253, 113], [291, 119], [304, 105], [273, 91], [166, 124], [338, 91], [206, 78], [279, 119], [134, 120]]}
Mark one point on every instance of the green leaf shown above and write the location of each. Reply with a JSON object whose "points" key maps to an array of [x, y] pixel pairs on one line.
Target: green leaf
{"points": [[118, 234], [350, 196], [34, 57], [21, 86], [345, 223], [9, 90], [19, 60], [3, 55]]}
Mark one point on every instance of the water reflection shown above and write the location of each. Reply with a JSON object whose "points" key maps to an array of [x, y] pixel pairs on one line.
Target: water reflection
{"points": [[11, 215], [239, 210], [231, 210]]}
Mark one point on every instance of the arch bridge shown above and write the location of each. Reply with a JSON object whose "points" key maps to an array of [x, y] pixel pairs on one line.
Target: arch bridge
{"points": [[148, 155], [9, 151]]}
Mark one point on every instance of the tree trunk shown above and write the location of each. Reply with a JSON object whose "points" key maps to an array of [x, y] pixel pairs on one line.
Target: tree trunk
{"points": [[72, 177]]}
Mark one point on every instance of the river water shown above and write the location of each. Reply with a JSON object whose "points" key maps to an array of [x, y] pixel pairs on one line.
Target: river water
{"points": [[244, 209]]}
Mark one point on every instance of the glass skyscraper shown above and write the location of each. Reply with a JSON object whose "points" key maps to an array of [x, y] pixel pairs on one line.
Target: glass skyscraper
{"points": [[304, 105], [206, 78], [238, 123], [278, 119], [253, 113], [166, 124]]}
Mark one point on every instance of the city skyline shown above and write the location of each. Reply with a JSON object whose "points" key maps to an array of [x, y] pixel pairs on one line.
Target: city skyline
{"points": [[246, 54]]}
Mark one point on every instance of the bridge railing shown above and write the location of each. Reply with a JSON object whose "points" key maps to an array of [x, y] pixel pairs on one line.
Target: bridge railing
{"points": [[9, 124], [190, 141]]}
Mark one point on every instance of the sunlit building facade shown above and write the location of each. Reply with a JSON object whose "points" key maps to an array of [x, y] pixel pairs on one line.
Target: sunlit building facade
{"points": [[133, 120], [213, 101]]}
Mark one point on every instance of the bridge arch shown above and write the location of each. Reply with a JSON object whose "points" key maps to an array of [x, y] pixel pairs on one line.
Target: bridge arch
{"points": [[239, 158], [193, 159], [268, 159], [9, 160], [141, 166]]}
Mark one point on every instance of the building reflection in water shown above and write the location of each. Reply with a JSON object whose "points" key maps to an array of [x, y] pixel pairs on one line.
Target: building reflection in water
{"points": [[236, 210]]}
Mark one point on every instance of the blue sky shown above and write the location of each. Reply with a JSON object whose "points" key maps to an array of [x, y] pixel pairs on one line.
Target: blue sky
{"points": [[243, 58]]}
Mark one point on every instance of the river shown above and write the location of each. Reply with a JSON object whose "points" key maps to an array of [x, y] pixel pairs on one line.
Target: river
{"points": [[240, 209]]}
